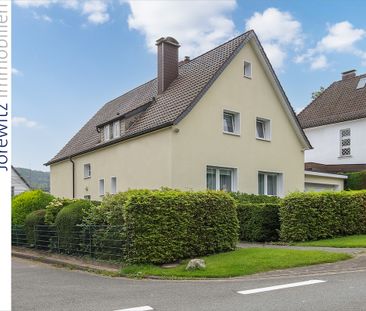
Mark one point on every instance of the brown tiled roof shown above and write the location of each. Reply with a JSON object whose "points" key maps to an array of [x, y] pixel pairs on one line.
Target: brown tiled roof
{"points": [[166, 109], [341, 101]]}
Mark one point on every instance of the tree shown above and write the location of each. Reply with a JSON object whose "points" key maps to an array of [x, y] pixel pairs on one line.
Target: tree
{"points": [[317, 93]]}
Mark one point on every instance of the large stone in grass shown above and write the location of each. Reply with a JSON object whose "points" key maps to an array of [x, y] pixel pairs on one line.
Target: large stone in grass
{"points": [[196, 264]]}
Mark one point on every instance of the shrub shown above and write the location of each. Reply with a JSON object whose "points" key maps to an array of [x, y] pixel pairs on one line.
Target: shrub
{"points": [[259, 222], [67, 224], [105, 224], [27, 202], [164, 226], [53, 208], [36, 231], [254, 198], [314, 216], [356, 181]]}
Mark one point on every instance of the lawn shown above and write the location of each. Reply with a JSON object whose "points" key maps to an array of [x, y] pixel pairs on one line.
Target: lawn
{"points": [[346, 241], [240, 262]]}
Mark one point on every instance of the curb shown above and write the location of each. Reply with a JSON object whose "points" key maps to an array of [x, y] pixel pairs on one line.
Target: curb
{"points": [[64, 263]]}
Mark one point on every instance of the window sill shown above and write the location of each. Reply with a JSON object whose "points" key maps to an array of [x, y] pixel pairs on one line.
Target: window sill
{"points": [[248, 77], [345, 157], [263, 139], [89, 177], [230, 133]]}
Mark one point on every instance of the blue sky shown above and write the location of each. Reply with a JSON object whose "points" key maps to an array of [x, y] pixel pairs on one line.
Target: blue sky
{"points": [[72, 56]]}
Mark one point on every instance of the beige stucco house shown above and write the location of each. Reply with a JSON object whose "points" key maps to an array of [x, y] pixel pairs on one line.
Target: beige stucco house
{"points": [[218, 121]]}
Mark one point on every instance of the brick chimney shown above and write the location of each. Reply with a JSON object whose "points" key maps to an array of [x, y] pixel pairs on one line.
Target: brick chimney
{"points": [[167, 62], [348, 74]]}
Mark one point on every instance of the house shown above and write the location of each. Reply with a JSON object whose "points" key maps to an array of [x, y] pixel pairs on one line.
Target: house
{"points": [[218, 121], [18, 183], [335, 123]]}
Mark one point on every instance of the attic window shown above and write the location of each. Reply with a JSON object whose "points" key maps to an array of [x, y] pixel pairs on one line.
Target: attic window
{"points": [[247, 69], [361, 84]]}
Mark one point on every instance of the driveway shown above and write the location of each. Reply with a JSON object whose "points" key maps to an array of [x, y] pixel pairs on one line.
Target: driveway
{"points": [[42, 287]]}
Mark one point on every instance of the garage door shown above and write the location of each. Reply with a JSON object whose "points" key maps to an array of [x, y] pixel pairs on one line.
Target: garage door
{"points": [[319, 187]]}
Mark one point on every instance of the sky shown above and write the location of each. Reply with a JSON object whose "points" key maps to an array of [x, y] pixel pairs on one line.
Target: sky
{"points": [[72, 56]]}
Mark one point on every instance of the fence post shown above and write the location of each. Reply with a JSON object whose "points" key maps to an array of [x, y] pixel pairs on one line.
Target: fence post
{"points": [[90, 243], [35, 235]]}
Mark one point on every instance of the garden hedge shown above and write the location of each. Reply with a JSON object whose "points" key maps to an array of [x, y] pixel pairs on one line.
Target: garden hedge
{"points": [[27, 202], [68, 225], [36, 230], [164, 226], [241, 197], [259, 222], [356, 181], [313, 216], [54, 207]]}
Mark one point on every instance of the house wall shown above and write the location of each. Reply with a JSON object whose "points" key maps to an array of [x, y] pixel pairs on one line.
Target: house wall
{"points": [[326, 143], [143, 162], [201, 142]]}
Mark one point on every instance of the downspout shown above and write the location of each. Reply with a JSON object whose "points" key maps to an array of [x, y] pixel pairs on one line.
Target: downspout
{"points": [[73, 177]]}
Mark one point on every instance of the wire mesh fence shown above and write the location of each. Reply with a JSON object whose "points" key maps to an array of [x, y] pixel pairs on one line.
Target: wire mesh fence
{"points": [[102, 242]]}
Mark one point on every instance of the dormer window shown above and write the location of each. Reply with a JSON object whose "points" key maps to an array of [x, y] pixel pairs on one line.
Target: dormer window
{"points": [[112, 130]]}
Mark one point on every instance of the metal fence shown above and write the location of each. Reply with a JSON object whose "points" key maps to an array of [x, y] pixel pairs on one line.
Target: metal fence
{"points": [[102, 242]]}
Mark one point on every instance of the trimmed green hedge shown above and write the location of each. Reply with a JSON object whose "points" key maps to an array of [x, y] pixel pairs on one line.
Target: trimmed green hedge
{"points": [[356, 181], [27, 202], [164, 226], [54, 207], [314, 216], [35, 229], [259, 222], [254, 198], [68, 225]]}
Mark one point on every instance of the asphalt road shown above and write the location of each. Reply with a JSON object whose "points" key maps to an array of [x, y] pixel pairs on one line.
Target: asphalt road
{"points": [[42, 287]]}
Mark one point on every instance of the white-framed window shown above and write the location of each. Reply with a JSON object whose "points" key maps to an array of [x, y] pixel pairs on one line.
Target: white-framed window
{"points": [[116, 129], [87, 197], [231, 122], [270, 183], [113, 185], [263, 129], [219, 178], [87, 170], [101, 187], [108, 132], [247, 69], [345, 142]]}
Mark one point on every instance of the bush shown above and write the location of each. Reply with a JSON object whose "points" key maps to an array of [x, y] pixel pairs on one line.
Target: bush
{"points": [[164, 226], [356, 181], [68, 228], [53, 208], [105, 224], [36, 231], [314, 216], [259, 222], [27, 202], [254, 198]]}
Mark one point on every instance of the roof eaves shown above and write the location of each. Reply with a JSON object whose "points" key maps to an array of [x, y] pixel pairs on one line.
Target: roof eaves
{"points": [[112, 142]]}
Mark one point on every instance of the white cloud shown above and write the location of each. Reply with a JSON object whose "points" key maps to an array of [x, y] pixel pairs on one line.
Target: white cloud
{"points": [[42, 17], [197, 25], [21, 121], [95, 10], [278, 32], [16, 72], [340, 38], [319, 62]]}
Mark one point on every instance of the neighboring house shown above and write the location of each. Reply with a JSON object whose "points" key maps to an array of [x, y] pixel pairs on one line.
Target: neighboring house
{"points": [[218, 121], [335, 123], [18, 183]]}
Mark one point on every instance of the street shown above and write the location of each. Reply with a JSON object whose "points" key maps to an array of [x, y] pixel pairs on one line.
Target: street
{"points": [[42, 287]]}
